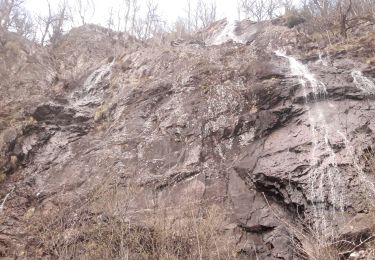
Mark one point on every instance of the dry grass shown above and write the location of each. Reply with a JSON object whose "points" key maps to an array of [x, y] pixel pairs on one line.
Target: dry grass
{"points": [[369, 158], [192, 232], [2, 176], [318, 246], [100, 113], [332, 244], [314, 249], [371, 61], [318, 243]]}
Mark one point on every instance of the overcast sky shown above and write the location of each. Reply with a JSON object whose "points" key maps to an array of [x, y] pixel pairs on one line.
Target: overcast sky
{"points": [[169, 9]]}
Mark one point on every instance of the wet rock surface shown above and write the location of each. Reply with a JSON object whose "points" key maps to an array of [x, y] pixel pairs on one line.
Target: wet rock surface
{"points": [[229, 125]]}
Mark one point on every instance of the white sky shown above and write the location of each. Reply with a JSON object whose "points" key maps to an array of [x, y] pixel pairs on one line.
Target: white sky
{"points": [[169, 9]]}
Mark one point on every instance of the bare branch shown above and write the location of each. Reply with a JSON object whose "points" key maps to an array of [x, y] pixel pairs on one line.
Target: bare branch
{"points": [[52, 25], [85, 10], [261, 9]]}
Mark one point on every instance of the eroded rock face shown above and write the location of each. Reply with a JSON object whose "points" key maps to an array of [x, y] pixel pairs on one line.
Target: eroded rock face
{"points": [[229, 125]]}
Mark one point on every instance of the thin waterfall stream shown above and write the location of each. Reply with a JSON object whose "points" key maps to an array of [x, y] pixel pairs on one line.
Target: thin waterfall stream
{"points": [[324, 175], [365, 182], [362, 82], [5, 200]]}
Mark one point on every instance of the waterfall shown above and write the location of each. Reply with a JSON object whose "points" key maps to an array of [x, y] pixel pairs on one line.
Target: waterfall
{"points": [[321, 60], [91, 92], [324, 175], [306, 78], [3, 203], [4, 200], [228, 33], [367, 184], [98, 75], [363, 83]]}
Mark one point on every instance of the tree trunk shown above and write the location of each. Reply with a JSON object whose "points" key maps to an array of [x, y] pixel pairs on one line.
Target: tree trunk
{"points": [[344, 19]]}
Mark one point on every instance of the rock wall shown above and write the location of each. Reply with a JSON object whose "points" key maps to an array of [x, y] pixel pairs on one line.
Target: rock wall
{"points": [[276, 140]]}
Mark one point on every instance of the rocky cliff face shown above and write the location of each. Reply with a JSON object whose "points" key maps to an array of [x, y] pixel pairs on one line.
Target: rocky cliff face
{"points": [[272, 129]]}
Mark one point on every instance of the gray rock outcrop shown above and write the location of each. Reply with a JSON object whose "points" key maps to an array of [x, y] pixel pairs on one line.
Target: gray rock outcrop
{"points": [[233, 125]]}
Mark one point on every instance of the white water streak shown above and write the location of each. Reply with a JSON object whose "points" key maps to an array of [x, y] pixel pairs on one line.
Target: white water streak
{"points": [[322, 61], [88, 94], [228, 33], [363, 83], [4, 200], [368, 185], [324, 171], [98, 75], [301, 71]]}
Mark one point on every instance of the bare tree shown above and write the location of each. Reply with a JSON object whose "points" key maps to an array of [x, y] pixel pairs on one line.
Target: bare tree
{"points": [[273, 8], [364, 10], [8, 10], [180, 28], [44, 23], [152, 20], [130, 12], [332, 18], [23, 24], [14, 17], [61, 17], [122, 21], [205, 13], [126, 17], [85, 10], [149, 25], [110, 22], [288, 5], [247, 7], [127, 9], [135, 9], [352, 13], [261, 9], [344, 8], [323, 6], [52, 25], [238, 9], [202, 15], [188, 12]]}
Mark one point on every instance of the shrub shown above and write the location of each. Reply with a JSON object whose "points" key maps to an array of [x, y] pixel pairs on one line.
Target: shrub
{"points": [[193, 232], [369, 159], [294, 20]]}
